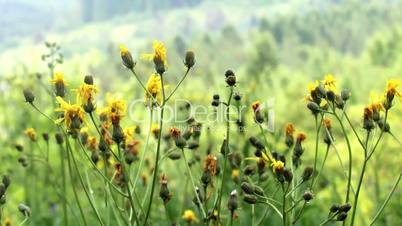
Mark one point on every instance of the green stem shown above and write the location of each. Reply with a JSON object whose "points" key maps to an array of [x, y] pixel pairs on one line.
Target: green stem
{"points": [[63, 177], [178, 85], [193, 184], [387, 199], [317, 135], [227, 151]]}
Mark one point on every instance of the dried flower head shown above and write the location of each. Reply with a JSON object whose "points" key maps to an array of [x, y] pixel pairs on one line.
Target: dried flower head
{"points": [[256, 106], [175, 132], [210, 164], [301, 137]]}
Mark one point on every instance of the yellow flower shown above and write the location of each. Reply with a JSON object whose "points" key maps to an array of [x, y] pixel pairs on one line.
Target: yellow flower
{"points": [[58, 78], [313, 86], [155, 129], [392, 88], [329, 82], [31, 133], [277, 165], [92, 145], [376, 102], [154, 87], [73, 114], [116, 109], [8, 221], [189, 216], [290, 129], [159, 54], [129, 133], [235, 174], [126, 57], [86, 93]]}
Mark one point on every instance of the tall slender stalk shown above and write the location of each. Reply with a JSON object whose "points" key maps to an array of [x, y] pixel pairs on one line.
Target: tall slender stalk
{"points": [[227, 151]]}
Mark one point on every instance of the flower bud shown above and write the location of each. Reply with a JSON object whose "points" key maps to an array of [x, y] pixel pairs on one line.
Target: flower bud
{"points": [[331, 95], [174, 155], [384, 126], [307, 173], [19, 147], [250, 199], [59, 138], [341, 216], [288, 175], [193, 145], [314, 108], [232, 202], [230, 78], [29, 96], [345, 207], [89, 80], [307, 196], [256, 143], [6, 181], [237, 96], [117, 134], [206, 177], [334, 208], [126, 57], [45, 137], [345, 95], [24, 209], [189, 60], [249, 170], [247, 188]]}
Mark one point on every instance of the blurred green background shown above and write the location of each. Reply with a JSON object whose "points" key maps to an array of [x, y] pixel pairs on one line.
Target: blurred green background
{"points": [[275, 47]]}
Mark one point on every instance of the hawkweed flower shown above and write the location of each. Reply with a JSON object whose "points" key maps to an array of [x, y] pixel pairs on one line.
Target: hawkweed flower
{"points": [[258, 117], [391, 91], [328, 137], [116, 110], [368, 122], [159, 57], [329, 82], [73, 115], [190, 217], [84, 135], [289, 131], [155, 130], [298, 149], [8, 221], [235, 175], [28, 95], [59, 84], [277, 166], [179, 140], [189, 60], [31, 134], [85, 96], [376, 105], [154, 87], [126, 57], [164, 192], [92, 143]]}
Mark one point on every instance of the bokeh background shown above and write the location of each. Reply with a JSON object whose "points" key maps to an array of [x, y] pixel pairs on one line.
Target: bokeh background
{"points": [[275, 47]]}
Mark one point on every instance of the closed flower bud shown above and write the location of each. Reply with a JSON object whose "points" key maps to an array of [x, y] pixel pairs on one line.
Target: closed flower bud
{"points": [[193, 145], [384, 126], [215, 103], [206, 177], [307, 196], [307, 173], [259, 117], [250, 199], [339, 103], [288, 175], [24, 209], [189, 60], [174, 155], [2, 190], [19, 147], [237, 96], [95, 157], [164, 192], [118, 135], [230, 78], [180, 142], [341, 216], [223, 146], [89, 80], [249, 170], [45, 137], [331, 95], [232, 201], [59, 138], [314, 108], [334, 208], [6, 181], [345, 207], [29, 96], [215, 97], [258, 190], [247, 188], [345, 95], [256, 143]]}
